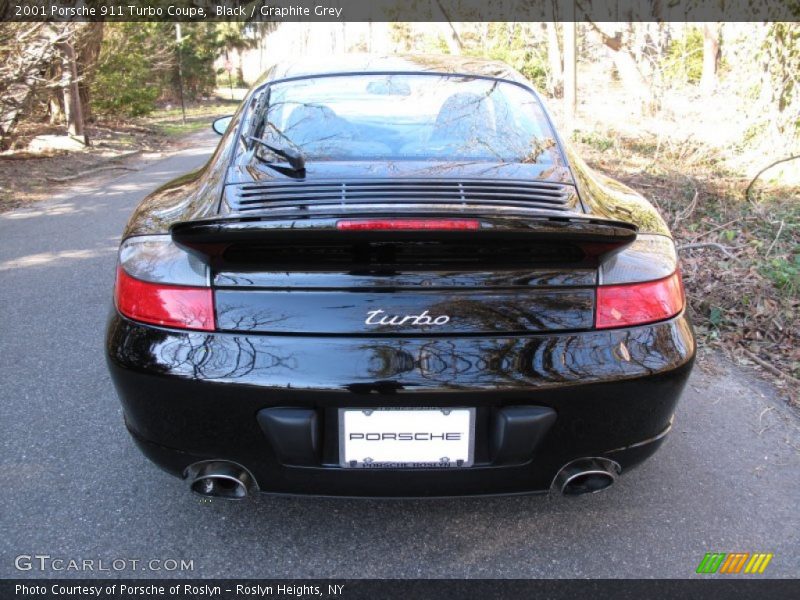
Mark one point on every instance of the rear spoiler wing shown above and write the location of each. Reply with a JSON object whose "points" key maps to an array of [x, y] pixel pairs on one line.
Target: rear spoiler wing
{"points": [[210, 237]]}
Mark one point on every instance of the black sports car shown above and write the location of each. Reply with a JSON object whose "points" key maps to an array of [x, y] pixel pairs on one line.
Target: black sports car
{"points": [[394, 279]]}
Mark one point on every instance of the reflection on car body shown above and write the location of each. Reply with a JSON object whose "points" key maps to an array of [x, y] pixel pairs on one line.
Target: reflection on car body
{"points": [[397, 234]]}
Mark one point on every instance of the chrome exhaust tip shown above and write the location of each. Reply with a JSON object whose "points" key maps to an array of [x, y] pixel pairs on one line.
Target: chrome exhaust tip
{"points": [[220, 479], [586, 476]]}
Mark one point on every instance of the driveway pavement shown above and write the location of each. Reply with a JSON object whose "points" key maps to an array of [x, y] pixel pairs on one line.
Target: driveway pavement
{"points": [[73, 486]]}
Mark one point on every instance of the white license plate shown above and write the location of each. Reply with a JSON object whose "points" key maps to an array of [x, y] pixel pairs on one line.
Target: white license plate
{"points": [[406, 438]]}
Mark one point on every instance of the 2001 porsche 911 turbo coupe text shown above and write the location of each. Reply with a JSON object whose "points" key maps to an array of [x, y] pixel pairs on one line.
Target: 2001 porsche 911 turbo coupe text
{"points": [[394, 279]]}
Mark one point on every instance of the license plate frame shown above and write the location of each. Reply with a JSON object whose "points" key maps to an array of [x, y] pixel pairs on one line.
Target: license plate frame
{"points": [[462, 451]]}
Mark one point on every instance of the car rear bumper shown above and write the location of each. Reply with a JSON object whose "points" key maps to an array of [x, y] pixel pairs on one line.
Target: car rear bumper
{"points": [[191, 396]]}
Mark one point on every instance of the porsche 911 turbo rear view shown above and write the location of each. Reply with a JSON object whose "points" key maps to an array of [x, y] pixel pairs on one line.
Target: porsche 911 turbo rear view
{"points": [[394, 278]]}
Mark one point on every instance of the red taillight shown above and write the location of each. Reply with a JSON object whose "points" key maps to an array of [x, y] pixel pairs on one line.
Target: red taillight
{"points": [[407, 224], [639, 303], [168, 305]]}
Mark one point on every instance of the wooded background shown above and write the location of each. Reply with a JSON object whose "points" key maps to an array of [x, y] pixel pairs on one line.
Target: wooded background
{"points": [[72, 73]]}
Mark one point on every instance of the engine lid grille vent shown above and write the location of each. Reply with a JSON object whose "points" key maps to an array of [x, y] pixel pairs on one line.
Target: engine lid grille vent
{"points": [[320, 196]]}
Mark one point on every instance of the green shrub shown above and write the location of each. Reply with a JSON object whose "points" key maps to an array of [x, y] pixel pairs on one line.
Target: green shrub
{"points": [[138, 66], [594, 139], [785, 274], [509, 44], [684, 59], [199, 48], [125, 83]]}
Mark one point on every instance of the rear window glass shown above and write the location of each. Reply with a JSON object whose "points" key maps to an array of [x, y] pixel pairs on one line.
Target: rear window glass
{"points": [[406, 117]]}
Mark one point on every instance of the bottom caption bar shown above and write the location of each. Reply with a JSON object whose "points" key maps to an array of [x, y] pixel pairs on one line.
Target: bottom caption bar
{"points": [[380, 589]]}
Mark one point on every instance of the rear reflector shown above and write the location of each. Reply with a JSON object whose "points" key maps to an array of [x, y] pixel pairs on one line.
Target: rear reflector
{"points": [[407, 224], [639, 303], [168, 305]]}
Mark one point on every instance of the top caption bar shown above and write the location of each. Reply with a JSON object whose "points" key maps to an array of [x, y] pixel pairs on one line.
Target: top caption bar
{"points": [[399, 10]]}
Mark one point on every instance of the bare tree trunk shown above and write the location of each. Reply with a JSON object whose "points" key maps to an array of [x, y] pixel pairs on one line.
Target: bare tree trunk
{"points": [[72, 97], [88, 51], [55, 100], [767, 93], [556, 79], [56, 106], [633, 79], [240, 67], [555, 57], [629, 73], [454, 43], [570, 71], [708, 80]]}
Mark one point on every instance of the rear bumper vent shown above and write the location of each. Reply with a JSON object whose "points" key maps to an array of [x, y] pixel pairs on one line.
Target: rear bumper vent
{"points": [[323, 196]]}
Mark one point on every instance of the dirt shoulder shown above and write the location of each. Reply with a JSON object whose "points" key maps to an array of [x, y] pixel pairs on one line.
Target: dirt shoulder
{"points": [[28, 176]]}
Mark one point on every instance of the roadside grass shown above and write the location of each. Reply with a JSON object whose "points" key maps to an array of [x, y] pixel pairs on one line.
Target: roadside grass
{"points": [[169, 121], [177, 129], [740, 257]]}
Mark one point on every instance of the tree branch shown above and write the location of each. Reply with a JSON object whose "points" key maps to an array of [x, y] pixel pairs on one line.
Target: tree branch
{"points": [[761, 172], [764, 364], [713, 245]]}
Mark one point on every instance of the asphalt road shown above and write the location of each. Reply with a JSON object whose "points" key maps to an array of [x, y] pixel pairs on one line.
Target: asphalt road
{"points": [[74, 487]]}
